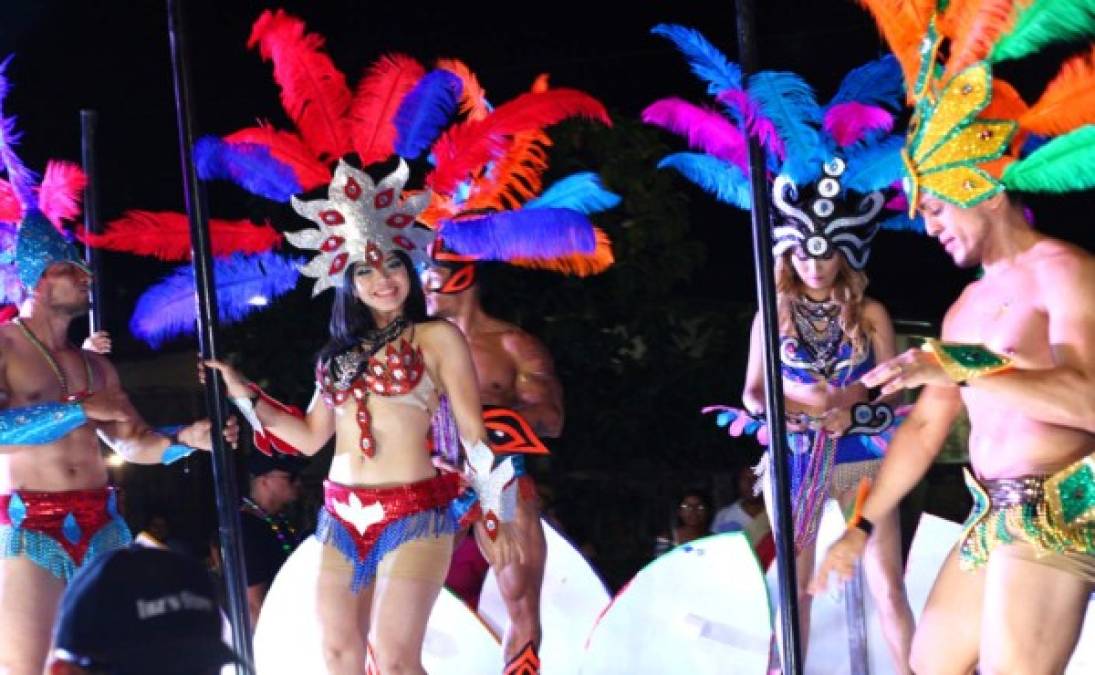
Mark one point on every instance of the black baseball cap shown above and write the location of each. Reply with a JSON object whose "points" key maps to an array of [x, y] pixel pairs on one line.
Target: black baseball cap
{"points": [[139, 610], [259, 463]]}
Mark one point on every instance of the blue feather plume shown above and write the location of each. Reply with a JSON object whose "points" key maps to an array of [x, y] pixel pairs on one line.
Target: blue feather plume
{"points": [[789, 103], [873, 167], [244, 284], [540, 234], [707, 62], [21, 178], [249, 165], [581, 192], [902, 223], [879, 83], [724, 180], [425, 111]]}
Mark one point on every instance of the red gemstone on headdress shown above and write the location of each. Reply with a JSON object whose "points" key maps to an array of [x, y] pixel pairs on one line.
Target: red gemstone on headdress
{"points": [[384, 198], [331, 243], [404, 242], [352, 189], [399, 220], [339, 263], [331, 217]]}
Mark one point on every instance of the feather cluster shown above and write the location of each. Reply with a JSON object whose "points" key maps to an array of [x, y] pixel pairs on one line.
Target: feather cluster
{"points": [[166, 235]]}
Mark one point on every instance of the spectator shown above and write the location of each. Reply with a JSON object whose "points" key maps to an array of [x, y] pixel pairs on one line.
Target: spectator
{"points": [[139, 610], [747, 515], [692, 520], [268, 538]]}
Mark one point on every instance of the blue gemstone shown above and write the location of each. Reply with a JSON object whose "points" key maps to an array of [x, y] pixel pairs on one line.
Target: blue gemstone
{"points": [[17, 510], [71, 529]]}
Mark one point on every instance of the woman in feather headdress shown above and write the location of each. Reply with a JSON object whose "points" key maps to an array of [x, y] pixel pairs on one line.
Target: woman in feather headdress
{"points": [[386, 375], [1017, 344], [828, 169]]}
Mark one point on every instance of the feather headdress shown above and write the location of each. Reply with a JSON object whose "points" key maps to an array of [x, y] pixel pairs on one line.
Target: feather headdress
{"points": [[970, 131], [32, 234], [827, 165]]}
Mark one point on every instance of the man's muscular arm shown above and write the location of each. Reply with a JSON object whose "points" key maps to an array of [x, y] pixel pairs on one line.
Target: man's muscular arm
{"points": [[1064, 394], [537, 389]]}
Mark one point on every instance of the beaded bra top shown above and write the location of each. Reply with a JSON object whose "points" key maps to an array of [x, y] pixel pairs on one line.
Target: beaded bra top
{"points": [[394, 370], [819, 351]]}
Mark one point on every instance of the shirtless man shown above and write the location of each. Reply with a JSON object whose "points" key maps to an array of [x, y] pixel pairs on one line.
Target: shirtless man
{"points": [[1012, 596], [56, 510], [515, 371]]}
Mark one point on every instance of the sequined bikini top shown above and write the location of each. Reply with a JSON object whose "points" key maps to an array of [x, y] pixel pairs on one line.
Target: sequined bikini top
{"points": [[394, 371]]}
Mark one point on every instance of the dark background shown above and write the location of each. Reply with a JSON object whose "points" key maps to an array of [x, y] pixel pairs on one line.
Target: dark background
{"points": [[639, 349]]}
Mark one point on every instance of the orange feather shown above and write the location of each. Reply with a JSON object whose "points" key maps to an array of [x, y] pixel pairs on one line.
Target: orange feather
{"points": [[516, 177], [579, 265], [903, 24], [1068, 101], [1006, 103], [974, 27], [473, 99]]}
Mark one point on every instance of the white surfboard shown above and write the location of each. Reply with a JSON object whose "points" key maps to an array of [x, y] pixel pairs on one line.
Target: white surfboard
{"points": [[572, 598], [287, 638], [700, 608]]}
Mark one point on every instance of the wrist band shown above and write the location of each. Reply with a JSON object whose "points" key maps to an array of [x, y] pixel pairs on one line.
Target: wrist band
{"points": [[175, 450], [863, 524], [964, 362]]}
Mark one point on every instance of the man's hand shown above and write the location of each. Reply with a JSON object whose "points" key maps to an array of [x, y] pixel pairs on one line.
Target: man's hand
{"points": [[840, 558], [107, 405], [909, 370], [98, 342], [197, 434]]}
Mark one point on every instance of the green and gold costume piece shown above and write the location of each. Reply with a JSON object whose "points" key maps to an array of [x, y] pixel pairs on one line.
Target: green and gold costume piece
{"points": [[964, 362]]}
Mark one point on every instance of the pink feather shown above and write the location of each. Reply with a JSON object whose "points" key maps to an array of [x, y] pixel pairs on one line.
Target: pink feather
{"points": [[287, 147], [849, 122], [166, 235], [375, 103], [11, 211], [705, 129], [61, 191], [758, 124], [313, 92]]}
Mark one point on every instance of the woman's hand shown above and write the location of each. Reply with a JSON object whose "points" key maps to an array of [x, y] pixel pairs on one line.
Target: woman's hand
{"points": [[841, 559], [234, 381], [836, 421]]}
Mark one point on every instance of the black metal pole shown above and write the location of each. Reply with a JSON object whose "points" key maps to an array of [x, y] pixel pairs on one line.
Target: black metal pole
{"points": [[88, 122], [766, 295], [224, 474]]}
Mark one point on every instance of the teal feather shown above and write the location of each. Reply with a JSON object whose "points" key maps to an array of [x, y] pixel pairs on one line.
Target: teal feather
{"points": [[707, 62], [1064, 164], [582, 192], [724, 180], [1046, 22], [876, 83], [874, 166], [789, 103]]}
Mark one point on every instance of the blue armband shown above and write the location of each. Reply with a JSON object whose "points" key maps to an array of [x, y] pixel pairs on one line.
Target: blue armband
{"points": [[41, 423], [176, 450]]}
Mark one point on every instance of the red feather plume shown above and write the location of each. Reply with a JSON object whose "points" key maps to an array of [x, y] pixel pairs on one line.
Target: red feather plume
{"points": [[166, 235], [465, 148], [313, 92], [61, 191], [376, 101], [287, 147]]}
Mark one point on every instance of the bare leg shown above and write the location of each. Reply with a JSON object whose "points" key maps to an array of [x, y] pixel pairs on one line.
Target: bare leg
{"points": [[28, 603], [947, 638], [883, 569], [1032, 614], [520, 583], [401, 609], [343, 614]]}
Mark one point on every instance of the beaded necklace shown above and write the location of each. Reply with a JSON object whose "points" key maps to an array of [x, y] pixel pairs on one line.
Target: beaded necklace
{"points": [[285, 532], [58, 372]]}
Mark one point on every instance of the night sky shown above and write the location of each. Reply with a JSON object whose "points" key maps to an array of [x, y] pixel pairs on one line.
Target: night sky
{"points": [[113, 57]]}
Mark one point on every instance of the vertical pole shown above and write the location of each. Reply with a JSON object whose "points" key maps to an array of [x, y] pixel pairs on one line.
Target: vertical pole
{"points": [[88, 121], [854, 617], [224, 474], [766, 295]]}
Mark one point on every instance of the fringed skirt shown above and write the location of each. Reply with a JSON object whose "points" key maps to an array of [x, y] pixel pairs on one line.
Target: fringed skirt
{"points": [[61, 531]]}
